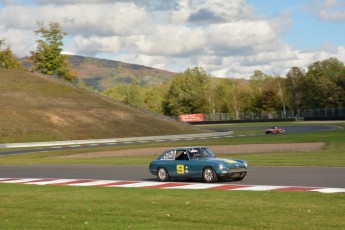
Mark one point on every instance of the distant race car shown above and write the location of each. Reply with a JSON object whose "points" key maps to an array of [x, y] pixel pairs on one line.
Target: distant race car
{"points": [[274, 130], [196, 163]]}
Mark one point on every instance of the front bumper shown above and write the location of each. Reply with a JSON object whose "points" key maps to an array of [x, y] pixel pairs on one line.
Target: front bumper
{"points": [[233, 173]]}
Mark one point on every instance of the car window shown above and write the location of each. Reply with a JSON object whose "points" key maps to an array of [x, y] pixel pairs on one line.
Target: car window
{"points": [[168, 155], [181, 155], [198, 153]]}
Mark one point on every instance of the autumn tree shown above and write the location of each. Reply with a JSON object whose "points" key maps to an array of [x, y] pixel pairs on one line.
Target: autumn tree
{"points": [[48, 57], [7, 59]]}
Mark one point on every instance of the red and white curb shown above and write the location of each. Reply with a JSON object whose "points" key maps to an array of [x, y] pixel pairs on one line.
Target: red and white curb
{"points": [[166, 185]]}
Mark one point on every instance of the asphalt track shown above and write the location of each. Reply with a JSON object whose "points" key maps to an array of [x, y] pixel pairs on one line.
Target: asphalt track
{"points": [[333, 177]]}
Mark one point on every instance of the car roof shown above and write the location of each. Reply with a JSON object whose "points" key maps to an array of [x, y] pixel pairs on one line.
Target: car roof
{"points": [[189, 147]]}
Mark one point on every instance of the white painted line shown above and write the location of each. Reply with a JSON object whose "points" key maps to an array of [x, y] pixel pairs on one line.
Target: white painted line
{"points": [[2, 179], [21, 180], [138, 184], [196, 186], [259, 188], [51, 182], [329, 190], [96, 182]]}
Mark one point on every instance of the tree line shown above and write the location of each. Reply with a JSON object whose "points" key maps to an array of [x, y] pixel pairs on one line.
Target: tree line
{"points": [[321, 85]]}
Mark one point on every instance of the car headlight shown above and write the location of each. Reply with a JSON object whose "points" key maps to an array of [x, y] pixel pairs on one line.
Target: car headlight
{"points": [[245, 163], [221, 166]]}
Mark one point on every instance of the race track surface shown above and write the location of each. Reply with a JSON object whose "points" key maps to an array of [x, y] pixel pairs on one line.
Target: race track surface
{"points": [[332, 177], [257, 175]]}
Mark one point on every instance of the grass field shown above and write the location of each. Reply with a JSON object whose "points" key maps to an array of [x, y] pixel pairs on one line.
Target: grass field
{"points": [[63, 207], [67, 207]]}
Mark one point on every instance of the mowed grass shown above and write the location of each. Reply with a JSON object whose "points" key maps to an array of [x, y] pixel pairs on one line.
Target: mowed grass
{"points": [[332, 155], [66, 207]]}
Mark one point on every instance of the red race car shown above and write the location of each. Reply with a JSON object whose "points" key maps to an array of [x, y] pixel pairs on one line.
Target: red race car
{"points": [[274, 130]]}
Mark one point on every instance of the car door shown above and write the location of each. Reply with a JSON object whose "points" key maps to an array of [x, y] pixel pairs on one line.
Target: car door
{"points": [[180, 166]]}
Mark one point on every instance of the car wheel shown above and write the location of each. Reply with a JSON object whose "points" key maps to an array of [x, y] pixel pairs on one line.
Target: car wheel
{"points": [[240, 178], [163, 174], [209, 175]]}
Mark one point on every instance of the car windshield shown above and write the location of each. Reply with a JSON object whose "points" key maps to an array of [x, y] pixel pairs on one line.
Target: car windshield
{"points": [[200, 153]]}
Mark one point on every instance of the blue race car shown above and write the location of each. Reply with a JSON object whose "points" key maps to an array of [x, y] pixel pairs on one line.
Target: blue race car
{"points": [[196, 163]]}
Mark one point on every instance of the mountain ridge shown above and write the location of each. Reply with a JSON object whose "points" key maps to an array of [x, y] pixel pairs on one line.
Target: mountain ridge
{"points": [[103, 74]]}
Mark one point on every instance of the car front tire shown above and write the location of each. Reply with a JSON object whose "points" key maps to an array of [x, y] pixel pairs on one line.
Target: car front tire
{"points": [[209, 175], [162, 174]]}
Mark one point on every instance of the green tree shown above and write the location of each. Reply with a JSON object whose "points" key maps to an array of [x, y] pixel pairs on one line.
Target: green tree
{"points": [[239, 98], [322, 85], [48, 58], [265, 93], [221, 90], [188, 93], [294, 79], [131, 94], [281, 92], [153, 97], [7, 59]]}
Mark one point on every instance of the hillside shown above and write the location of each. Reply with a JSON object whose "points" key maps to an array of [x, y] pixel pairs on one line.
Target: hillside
{"points": [[41, 108], [103, 74]]}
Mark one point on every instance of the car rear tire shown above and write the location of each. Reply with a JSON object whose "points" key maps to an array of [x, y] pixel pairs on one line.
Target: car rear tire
{"points": [[162, 174], [209, 175]]}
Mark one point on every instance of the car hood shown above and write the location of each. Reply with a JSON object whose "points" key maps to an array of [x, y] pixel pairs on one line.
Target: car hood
{"points": [[228, 162]]}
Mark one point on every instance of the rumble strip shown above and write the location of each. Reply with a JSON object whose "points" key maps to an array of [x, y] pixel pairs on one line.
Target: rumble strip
{"points": [[165, 185]]}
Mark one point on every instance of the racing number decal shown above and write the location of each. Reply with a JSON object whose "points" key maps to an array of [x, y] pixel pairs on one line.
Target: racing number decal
{"points": [[180, 169]]}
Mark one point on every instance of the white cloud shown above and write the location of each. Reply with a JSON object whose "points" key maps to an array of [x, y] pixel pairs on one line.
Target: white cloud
{"points": [[330, 10], [223, 37]]}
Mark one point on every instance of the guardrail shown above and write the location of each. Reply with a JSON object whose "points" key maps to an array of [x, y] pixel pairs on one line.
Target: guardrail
{"points": [[113, 140]]}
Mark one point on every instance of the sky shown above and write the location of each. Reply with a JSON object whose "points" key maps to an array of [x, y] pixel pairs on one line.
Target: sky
{"points": [[227, 38]]}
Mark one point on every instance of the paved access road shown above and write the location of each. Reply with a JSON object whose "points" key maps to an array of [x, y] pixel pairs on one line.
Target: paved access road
{"points": [[333, 177]]}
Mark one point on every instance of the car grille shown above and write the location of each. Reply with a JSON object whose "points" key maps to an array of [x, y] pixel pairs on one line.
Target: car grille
{"points": [[238, 169]]}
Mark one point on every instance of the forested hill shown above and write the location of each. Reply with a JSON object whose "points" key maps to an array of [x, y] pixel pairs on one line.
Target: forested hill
{"points": [[104, 74], [41, 108]]}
